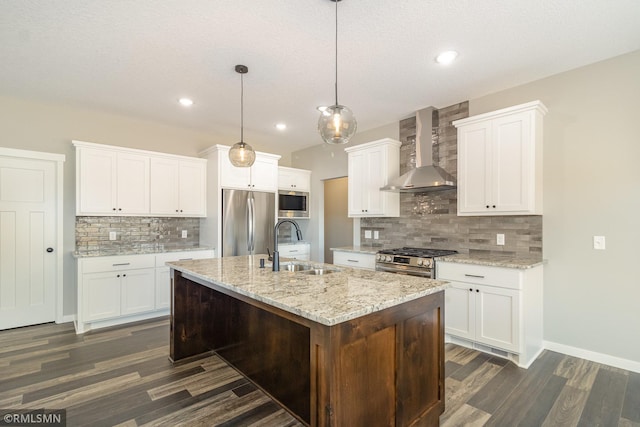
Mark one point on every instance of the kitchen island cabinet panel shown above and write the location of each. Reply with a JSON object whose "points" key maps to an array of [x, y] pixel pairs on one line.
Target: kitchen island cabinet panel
{"points": [[383, 368]]}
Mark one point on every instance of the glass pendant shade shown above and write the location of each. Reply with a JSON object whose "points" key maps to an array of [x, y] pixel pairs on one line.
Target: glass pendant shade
{"points": [[337, 124], [242, 155]]}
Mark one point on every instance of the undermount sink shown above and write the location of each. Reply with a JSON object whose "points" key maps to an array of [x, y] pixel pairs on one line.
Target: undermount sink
{"points": [[291, 266], [319, 271], [309, 269]]}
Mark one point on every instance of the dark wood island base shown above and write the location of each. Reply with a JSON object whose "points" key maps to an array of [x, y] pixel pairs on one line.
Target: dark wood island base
{"points": [[385, 368]]}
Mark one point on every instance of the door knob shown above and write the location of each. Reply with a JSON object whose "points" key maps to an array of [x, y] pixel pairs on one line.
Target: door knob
{"points": [[49, 250]]}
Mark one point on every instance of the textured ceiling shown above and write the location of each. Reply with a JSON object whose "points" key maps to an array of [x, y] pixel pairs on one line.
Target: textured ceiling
{"points": [[138, 57]]}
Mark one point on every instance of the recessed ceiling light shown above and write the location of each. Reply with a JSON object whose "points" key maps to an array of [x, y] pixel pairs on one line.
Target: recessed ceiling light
{"points": [[185, 102], [446, 58], [281, 126]]}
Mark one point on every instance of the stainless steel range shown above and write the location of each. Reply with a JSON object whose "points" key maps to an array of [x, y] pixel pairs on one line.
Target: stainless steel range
{"points": [[411, 261]]}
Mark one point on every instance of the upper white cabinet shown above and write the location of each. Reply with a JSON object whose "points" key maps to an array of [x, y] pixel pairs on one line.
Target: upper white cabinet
{"points": [[262, 176], [500, 162], [111, 182], [294, 179], [178, 187], [120, 181], [371, 166]]}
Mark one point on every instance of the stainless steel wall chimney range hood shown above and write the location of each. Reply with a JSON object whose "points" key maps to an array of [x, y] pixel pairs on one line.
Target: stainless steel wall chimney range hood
{"points": [[425, 177]]}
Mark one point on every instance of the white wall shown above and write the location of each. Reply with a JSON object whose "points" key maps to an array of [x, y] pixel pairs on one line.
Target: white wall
{"points": [[591, 187], [326, 162]]}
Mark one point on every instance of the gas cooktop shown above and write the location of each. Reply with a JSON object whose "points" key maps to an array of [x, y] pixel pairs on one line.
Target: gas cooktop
{"points": [[417, 252]]}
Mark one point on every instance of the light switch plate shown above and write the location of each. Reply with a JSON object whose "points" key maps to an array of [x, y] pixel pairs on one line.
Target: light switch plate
{"points": [[184, 234], [112, 235], [500, 239], [598, 242], [367, 234]]}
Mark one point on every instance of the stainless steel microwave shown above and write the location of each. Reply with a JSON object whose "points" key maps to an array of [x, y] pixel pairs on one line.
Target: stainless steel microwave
{"points": [[293, 204]]}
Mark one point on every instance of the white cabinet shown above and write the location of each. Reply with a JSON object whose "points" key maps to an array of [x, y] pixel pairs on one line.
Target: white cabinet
{"points": [[116, 181], [119, 289], [262, 176], [294, 179], [498, 310], [500, 162], [363, 260], [163, 278], [299, 251], [371, 166], [111, 183], [178, 186]]}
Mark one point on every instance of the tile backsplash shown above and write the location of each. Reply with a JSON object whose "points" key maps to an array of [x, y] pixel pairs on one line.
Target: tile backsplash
{"points": [[430, 219], [134, 234]]}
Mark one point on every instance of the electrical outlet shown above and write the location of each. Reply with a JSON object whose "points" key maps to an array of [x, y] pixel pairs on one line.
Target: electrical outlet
{"points": [[598, 242], [184, 234], [112, 235], [376, 234], [367, 234], [500, 239]]}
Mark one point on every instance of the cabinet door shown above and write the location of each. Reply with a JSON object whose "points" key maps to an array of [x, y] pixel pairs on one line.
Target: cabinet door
{"points": [[294, 180], [164, 186], [101, 294], [264, 174], [460, 317], [231, 176], [193, 188], [163, 288], [138, 291], [357, 170], [497, 317], [133, 184], [375, 173], [511, 159], [97, 190], [474, 168]]}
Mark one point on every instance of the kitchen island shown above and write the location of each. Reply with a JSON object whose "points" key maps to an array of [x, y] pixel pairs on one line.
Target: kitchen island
{"points": [[353, 347]]}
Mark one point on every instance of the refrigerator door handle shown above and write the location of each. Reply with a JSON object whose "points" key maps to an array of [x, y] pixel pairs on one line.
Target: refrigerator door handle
{"points": [[251, 223]]}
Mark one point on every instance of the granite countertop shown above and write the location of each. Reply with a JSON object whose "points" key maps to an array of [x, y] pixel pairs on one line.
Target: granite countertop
{"points": [[494, 260], [359, 249], [142, 251], [327, 299]]}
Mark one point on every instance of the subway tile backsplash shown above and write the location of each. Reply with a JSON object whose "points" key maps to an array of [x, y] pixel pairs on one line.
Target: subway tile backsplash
{"points": [[134, 234], [430, 220]]}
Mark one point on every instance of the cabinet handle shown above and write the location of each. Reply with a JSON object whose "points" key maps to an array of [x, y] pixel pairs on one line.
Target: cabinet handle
{"points": [[118, 275], [494, 206], [353, 260], [124, 275], [122, 263], [477, 290], [470, 290], [180, 210], [176, 210], [114, 209], [487, 206], [474, 275], [119, 209]]}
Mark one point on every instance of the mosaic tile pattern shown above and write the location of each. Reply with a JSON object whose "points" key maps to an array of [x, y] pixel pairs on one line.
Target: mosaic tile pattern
{"points": [[134, 234], [430, 219]]}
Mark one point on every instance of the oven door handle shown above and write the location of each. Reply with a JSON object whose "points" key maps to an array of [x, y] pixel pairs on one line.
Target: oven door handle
{"points": [[406, 272]]}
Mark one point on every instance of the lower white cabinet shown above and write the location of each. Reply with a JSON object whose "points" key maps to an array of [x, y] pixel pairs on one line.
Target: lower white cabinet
{"points": [[354, 259], [300, 251], [494, 309], [120, 289]]}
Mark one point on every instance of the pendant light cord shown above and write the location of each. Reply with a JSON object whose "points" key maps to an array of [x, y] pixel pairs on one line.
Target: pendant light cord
{"points": [[336, 1], [241, 107]]}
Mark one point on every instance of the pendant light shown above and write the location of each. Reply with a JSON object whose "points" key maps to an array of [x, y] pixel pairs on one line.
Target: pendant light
{"points": [[241, 154], [337, 123]]}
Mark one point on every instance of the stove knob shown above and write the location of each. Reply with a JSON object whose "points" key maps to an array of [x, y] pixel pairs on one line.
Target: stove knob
{"points": [[378, 257], [428, 263], [419, 262], [388, 258]]}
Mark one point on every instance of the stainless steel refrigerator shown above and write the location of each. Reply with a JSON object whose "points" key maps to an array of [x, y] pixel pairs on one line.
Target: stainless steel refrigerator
{"points": [[248, 218]]}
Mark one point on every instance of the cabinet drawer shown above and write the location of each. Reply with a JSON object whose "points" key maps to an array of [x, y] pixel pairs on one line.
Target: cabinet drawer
{"points": [[355, 259], [117, 263], [479, 274], [162, 259]]}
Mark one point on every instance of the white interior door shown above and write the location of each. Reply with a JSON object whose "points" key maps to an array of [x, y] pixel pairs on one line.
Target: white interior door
{"points": [[27, 230]]}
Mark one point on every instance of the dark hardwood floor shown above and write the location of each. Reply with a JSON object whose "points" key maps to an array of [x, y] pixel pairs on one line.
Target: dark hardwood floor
{"points": [[122, 376]]}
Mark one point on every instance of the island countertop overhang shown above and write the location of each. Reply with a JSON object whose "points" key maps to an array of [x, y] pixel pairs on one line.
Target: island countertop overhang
{"points": [[326, 299]]}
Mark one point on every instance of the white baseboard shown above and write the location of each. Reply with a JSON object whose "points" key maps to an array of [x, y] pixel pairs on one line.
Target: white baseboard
{"points": [[67, 318], [617, 362]]}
